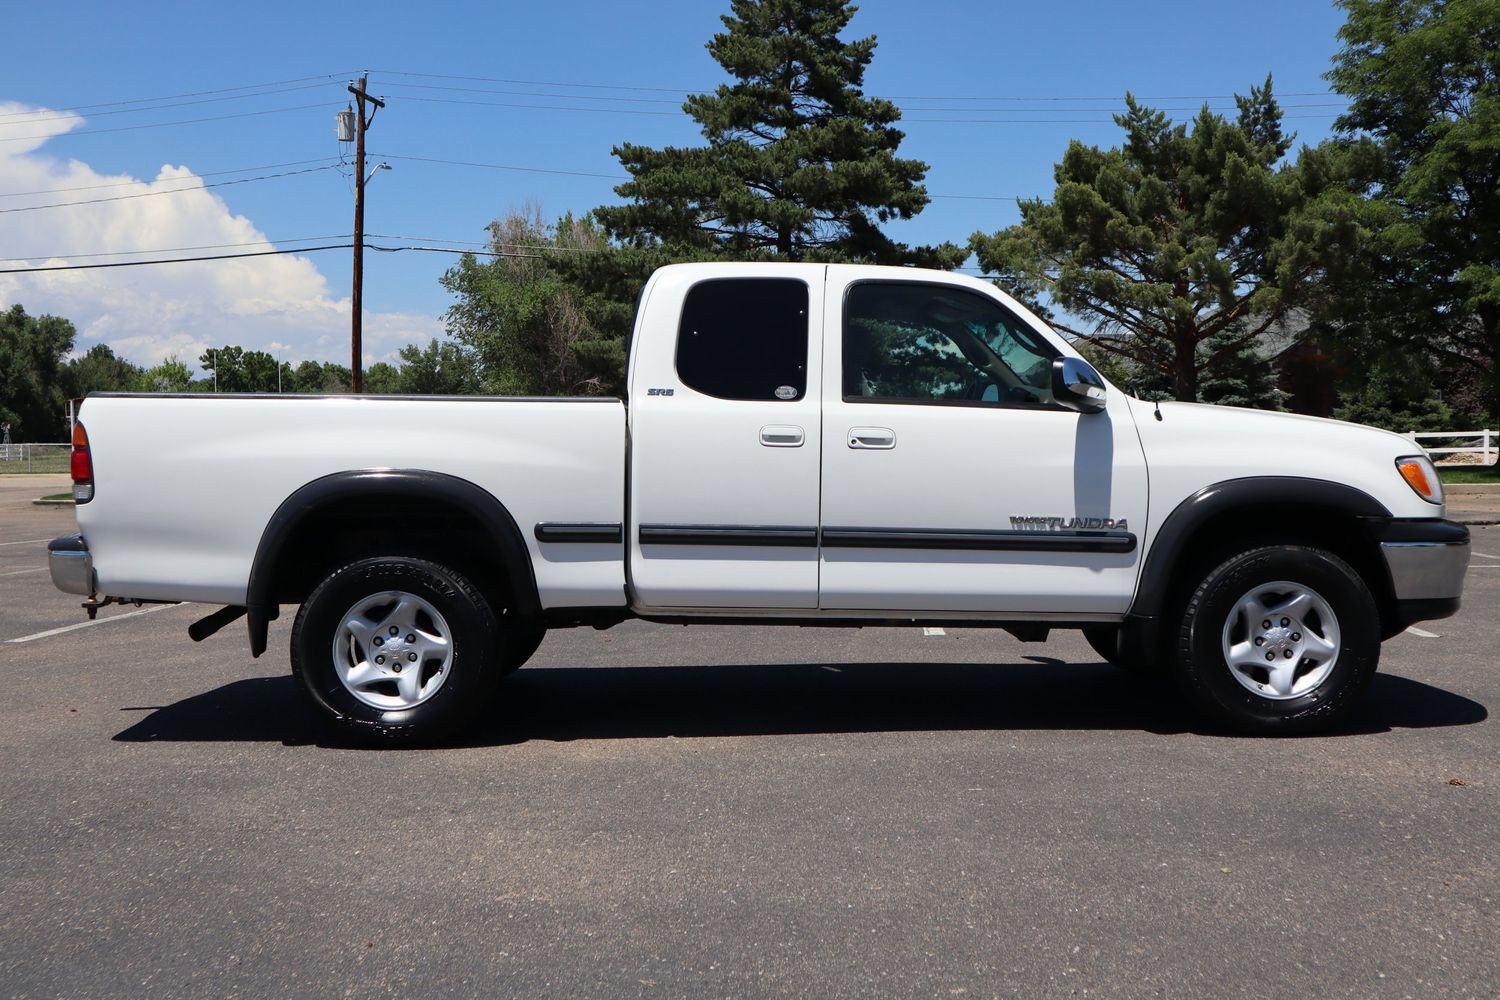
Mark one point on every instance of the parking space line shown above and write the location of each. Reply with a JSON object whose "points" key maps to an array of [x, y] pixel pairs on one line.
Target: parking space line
{"points": [[18, 572], [929, 630], [1422, 632], [1482, 555], [96, 621], [29, 541]]}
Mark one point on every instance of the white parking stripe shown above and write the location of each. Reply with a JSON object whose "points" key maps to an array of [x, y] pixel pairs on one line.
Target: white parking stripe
{"points": [[29, 541], [18, 572], [96, 621], [1482, 555], [1422, 632], [933, 631]]}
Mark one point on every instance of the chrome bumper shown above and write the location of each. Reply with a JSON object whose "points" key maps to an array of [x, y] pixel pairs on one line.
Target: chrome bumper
{"points": [[71, 565], [1426, 559]]}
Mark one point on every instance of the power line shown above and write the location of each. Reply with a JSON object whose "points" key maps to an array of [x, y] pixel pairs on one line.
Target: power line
{"points": [[154, 194], [544, 107], [195, 93], [172, 260], [184, 121], [1007, 110], [486, 243], [896, 97], [206, 246], [156, 107], [499, 166], [201, 173], [608, 177]]}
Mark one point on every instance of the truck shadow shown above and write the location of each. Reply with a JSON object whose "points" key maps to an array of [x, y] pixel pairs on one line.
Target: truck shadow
{"points": [[581, 703]]}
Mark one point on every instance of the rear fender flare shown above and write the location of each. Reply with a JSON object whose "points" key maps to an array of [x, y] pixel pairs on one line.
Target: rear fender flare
{"points": [[397, 483]]}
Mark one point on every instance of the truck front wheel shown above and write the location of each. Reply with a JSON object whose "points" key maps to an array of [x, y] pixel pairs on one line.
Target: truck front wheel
{"points": [[1279, 640], [398, 649]]}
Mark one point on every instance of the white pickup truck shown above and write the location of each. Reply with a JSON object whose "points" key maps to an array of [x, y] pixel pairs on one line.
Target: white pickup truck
{"points": [[804, 444]]}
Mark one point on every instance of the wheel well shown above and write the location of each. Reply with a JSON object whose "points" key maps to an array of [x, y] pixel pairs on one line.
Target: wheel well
{"points": [[1221, 535], [341, 531]]}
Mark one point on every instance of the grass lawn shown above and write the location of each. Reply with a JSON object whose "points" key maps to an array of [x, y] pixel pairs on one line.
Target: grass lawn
{"points": [[1470, 474], [58, 496]]}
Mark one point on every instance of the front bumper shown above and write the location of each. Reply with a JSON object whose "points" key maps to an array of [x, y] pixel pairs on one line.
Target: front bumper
{"points": [[71, 565], [1427, 559]]}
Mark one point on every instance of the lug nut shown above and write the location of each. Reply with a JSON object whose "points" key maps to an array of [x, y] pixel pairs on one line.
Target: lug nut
{"points": [[1266, 623], [1289, 654], [396, 667], [411, 638], [412, 657], [1296, 636], [379, 641], [379, 659], [1260, 640], [1285, 622], [397, 631], [1270, 656]]}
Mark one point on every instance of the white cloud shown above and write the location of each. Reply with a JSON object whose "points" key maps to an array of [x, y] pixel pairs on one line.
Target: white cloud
{"points": [[147, 313]]}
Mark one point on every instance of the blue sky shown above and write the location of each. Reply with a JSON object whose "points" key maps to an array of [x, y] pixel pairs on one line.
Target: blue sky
{"points": [[626, 65]]}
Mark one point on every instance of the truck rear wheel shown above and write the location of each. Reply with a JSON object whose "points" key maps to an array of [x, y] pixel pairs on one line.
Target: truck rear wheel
{"points": [[1279, 640], [397, 649]]}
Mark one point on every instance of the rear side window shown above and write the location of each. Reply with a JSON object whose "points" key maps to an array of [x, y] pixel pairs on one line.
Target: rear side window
{"points": [[745, 338]]}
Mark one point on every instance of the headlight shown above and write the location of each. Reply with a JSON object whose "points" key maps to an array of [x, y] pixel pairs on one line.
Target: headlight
{"points": [[1419, 474]]}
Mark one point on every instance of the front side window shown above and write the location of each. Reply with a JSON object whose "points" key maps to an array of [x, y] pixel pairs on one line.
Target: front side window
{"points": [[745, 338], [909, 342]]}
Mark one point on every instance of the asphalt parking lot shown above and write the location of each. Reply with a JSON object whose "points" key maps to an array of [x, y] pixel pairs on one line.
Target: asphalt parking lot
{"points": [[717, 812]]}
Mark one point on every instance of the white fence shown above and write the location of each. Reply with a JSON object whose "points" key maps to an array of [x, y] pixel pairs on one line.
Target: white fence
{"points": [[27, 457], [1485, 444]]}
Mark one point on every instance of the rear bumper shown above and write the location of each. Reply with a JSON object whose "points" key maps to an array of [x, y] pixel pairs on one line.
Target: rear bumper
{"points": [[71, 565], [1427, 560]]}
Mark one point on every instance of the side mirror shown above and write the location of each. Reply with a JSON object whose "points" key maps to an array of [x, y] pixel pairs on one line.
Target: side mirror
{"points": [[1076, 385]]}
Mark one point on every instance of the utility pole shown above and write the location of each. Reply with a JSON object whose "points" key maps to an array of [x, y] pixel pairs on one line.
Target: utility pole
{"points": [[356, 375]]}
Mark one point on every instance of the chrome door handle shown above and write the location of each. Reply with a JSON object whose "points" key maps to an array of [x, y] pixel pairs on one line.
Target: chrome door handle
{"points": [[872, 437], [781, 436]]}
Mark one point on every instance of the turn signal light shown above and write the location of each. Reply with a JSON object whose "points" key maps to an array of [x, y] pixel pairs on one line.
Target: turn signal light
{"points": [[82, 465], [1419, 474]]}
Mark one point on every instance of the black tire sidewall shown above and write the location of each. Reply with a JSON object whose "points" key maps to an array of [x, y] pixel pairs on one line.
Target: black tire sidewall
{"points": [[1206, 677], [474, 637]]}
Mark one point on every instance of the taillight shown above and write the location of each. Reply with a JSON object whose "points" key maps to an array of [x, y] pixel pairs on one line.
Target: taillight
{"points": [[82, 465]]}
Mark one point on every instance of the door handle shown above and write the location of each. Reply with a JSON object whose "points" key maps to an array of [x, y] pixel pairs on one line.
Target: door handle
{"points": [[872, 438], [781, 436]]}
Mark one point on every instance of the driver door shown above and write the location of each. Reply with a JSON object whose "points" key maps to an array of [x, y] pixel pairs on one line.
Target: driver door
{"points": [[940, 429]]}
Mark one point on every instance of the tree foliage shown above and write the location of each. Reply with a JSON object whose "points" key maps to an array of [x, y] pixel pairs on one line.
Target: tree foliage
{"points": [[33, 358], [1423, 80], [799, 161], [1183, 245], [525, 315]]}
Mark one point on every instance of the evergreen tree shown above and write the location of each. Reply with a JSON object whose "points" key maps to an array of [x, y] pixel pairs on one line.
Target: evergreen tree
{"points": [[800, 163], [1423, 79], [1183, 246]]}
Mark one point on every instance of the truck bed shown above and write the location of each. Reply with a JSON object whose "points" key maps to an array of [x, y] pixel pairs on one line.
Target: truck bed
{"points": [[185, 484]]}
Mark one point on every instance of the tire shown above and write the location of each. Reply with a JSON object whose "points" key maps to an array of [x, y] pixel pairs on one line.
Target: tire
{"points": [[521, 643], [1279, 640], [1106, 641], [446, 642]]}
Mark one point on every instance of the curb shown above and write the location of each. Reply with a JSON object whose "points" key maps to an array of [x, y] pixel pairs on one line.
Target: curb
{"points": [[53, 503], [1471, 489]]}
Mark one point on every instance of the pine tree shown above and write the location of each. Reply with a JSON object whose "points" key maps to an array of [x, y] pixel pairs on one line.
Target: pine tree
{"points": [[799, 164], [1182, 245]]}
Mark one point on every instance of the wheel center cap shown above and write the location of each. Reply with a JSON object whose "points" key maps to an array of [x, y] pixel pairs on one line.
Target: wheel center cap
{"points": [[1279, 638]]}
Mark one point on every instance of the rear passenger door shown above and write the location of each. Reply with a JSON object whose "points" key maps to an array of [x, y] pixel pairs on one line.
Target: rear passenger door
{"points": [[724, 438]]}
